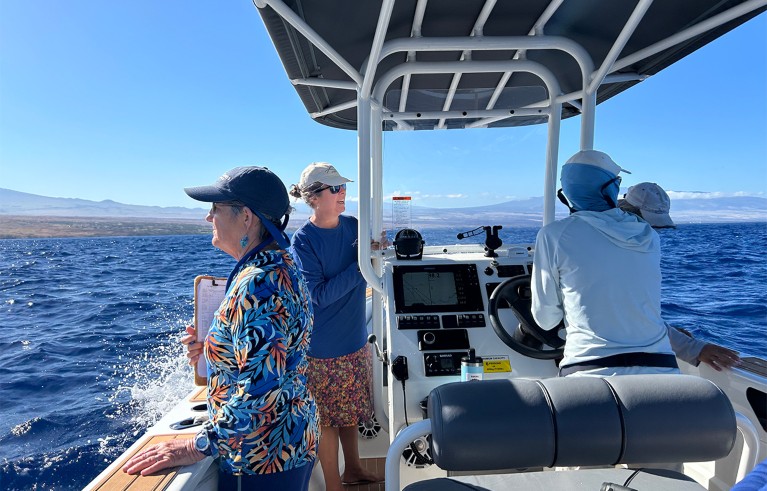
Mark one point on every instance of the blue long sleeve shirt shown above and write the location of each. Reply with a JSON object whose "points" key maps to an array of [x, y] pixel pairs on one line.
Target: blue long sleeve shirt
{"points": [[328, 260]]}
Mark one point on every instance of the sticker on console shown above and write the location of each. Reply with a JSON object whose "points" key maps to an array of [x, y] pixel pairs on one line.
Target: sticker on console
{"points": [[496, 364]]}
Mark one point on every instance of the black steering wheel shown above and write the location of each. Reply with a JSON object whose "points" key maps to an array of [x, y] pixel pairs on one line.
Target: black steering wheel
{"points": [[528, 338]]}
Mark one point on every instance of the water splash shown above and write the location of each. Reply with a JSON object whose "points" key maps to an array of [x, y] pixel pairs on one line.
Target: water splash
{"points": [[152, 384]]}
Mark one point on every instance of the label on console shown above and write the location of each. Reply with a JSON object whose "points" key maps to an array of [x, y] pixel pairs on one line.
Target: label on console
{"points": [[496, 364]]}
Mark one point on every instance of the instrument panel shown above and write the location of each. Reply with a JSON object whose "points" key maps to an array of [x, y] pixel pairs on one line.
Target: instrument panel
{"points": [[436, 312], [428, 288]]}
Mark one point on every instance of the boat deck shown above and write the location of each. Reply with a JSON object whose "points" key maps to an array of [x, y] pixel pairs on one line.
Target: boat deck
{"points": [[377, 466]]}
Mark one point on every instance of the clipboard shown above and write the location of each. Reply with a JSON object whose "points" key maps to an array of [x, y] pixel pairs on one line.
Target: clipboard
{"points": [[209, 292]]}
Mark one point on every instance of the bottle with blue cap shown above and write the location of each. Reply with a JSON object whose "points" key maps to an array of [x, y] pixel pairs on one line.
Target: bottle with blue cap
{"points": [[472, 367]]}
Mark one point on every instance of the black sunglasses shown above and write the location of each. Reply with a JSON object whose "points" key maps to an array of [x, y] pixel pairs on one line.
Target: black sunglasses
{"points": [[213, 206], [610, 182], [333, 189], [566, 202]]}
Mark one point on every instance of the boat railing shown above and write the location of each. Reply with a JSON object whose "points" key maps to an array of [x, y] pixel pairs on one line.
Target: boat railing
{"points": [[750, 454]]}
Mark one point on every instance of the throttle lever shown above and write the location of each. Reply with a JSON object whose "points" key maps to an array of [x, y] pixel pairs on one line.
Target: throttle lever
{"points": [[380, 354]]}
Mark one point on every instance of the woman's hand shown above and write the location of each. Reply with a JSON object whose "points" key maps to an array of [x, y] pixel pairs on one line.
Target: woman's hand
{"points": [[193, 347], [381, 243], [172, 453]]}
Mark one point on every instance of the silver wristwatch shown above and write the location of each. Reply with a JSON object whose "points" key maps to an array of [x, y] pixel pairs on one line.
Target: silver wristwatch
{"points": [[202, 443]]}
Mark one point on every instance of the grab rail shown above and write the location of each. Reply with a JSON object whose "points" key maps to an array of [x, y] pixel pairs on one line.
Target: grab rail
{"points": [[750, 453]]}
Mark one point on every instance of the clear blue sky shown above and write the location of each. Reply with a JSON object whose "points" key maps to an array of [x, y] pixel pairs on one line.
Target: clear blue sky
{"points": [[132, 101]]}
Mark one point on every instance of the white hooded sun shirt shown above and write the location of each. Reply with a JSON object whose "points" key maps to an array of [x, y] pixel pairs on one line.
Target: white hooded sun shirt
{"points": [[600, 272]]}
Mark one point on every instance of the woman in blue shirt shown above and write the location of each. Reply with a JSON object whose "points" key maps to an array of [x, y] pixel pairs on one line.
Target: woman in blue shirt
{"points": [[340, 361]]}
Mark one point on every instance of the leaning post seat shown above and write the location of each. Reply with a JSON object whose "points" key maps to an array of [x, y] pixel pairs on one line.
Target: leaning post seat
{"points": [[578, 421]]}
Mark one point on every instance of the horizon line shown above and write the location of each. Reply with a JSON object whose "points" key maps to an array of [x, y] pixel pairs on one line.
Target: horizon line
{"points": [[674, 195]]}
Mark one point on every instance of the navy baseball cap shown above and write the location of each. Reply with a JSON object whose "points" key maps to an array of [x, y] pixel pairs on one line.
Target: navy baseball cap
{"points": [[258, 188]]}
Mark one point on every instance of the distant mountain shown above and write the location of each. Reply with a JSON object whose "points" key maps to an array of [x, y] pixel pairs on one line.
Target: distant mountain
{"points": [[518, 213], [699, 208], [529, 212], [18, 203]]}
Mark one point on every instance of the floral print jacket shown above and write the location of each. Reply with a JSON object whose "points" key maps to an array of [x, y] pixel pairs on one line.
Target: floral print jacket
{"points": [[263, 418]]}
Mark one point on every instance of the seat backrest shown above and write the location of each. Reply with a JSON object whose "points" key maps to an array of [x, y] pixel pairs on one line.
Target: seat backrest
{"points": [[510, 424]]}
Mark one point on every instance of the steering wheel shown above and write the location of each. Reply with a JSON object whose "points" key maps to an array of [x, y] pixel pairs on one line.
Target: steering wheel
{"points": [[528, 338]]}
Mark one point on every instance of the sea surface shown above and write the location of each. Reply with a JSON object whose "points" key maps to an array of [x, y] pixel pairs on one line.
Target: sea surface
{"points": [[90, 353]]}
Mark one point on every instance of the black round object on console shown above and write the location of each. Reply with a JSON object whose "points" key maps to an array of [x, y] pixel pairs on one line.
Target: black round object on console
{"points": [[408, 244]]}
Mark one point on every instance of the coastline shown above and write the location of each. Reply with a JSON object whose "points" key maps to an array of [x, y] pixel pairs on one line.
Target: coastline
{"points": [[58, 227], [62, 227]]}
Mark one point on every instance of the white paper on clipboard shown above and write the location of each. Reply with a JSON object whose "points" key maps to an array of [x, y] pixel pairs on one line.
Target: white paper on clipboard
{"points": [[209, 291]]}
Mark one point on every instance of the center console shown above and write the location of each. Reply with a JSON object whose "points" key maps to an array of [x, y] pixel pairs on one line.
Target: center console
{"points": [[439, 312]]}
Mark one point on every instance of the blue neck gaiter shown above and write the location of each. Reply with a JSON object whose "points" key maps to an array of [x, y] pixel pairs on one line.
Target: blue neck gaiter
{"points": [[584, 186]]}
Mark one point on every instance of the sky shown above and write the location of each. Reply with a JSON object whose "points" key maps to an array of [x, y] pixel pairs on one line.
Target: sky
{"points": [[133, 101]]}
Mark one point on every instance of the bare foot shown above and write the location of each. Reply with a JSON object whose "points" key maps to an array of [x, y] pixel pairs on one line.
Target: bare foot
{"points": [[361, 476]]}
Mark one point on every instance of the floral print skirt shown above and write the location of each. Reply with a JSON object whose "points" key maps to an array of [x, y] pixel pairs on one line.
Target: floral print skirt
{"points": [[342, 387]]}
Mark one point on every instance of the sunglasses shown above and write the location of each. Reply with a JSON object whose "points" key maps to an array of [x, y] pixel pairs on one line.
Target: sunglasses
{"points": [[219, 205], [334, 189], [564, 200], [610, 182]]}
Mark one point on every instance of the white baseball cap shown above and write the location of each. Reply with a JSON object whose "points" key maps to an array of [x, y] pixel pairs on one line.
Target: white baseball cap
{"points": [[321, 172], [653, 203], [597, 159]]}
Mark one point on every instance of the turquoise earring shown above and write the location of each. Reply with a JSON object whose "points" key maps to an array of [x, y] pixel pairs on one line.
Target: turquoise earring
{"points": [[244, 241]]}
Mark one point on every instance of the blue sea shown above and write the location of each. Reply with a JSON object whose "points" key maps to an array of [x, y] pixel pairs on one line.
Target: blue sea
{"points": [[90, 352]]}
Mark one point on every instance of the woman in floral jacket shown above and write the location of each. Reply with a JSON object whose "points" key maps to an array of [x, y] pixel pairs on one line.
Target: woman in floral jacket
{"points": [[263, 421]]}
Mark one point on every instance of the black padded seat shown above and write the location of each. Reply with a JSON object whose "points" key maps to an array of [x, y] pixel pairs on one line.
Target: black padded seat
{"points": [[585, 479], [487, 426]]}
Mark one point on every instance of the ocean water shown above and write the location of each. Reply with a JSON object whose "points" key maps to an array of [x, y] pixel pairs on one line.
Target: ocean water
{"points": [[90, 352]]}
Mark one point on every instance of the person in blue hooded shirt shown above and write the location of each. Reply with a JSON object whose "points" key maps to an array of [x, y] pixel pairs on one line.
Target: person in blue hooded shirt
{"points": [[598, 271]]}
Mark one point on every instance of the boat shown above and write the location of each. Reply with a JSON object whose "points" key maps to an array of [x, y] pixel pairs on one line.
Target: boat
{"points": [[388, 66]]}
